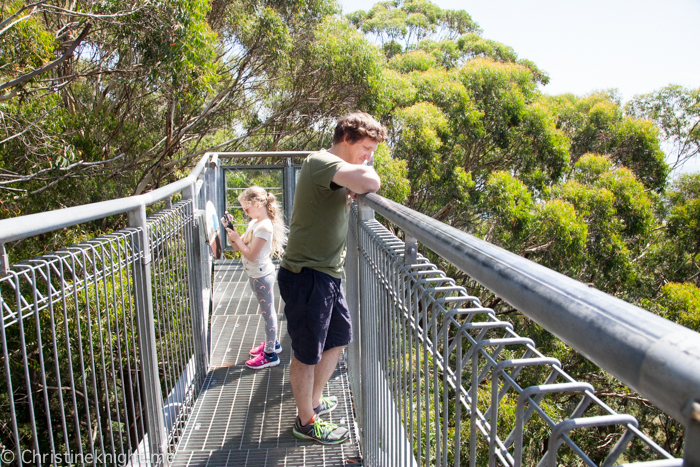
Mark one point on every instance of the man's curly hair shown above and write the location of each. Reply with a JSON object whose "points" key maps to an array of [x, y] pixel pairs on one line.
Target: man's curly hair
{"points": [[356, 126]]}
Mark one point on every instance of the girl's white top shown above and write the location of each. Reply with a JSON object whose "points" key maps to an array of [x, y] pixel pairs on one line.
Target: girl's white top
{"points": [[262, 265]]}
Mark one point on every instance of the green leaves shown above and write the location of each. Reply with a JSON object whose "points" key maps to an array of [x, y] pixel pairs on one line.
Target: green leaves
{"points": [[681, 302], [26, 45], [403, 25], [597, 124], [344, 53], [683, 223], [562, 232], [393, 174], [413, 61], [676, 112]]}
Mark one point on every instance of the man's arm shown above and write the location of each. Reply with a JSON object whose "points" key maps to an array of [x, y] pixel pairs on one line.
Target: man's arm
{"points": [[359, 179]]}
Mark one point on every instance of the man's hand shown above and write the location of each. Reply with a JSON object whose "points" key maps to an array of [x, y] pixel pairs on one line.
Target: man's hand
{"points": [[351, 194]]}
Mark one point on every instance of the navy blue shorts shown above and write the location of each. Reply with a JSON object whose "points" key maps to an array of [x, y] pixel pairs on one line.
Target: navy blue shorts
{"points": [[317, 314]]}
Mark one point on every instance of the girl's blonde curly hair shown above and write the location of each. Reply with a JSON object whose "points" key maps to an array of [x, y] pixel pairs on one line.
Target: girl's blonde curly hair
{"points": [[256, 195]]}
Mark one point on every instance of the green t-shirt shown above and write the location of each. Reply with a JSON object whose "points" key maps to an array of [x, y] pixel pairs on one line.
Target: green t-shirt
{"points": [[319, 226]]}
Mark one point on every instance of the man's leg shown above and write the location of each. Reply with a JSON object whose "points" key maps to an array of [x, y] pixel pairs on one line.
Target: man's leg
{"points": [[323, 372], [301, 377], [308, 318], [308, 381]]}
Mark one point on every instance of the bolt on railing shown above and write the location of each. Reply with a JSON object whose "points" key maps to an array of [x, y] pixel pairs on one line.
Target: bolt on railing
{"points": [[445, 382]]}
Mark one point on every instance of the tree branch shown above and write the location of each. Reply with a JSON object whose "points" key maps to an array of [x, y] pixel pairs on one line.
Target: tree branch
{"points": [[5, 23], [25, 178], [49, 66]]}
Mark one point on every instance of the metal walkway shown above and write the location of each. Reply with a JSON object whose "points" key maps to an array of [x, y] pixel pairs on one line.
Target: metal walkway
{"points": [[244, 417]]}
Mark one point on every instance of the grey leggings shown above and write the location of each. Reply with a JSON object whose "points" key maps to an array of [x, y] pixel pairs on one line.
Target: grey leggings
{"points": [[263, 289]]}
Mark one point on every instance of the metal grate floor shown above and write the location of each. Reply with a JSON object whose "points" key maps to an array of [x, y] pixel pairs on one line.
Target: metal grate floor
{"points": [[244, 417]]}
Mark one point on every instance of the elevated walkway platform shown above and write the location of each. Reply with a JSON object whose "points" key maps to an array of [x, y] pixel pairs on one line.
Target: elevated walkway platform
{"points": [[244, 417]]}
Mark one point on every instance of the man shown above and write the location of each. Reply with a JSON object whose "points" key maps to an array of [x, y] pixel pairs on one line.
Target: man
{"points": [[318, 319]]}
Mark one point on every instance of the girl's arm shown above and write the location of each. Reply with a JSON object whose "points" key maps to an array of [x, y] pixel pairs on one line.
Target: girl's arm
{"points": [[231, 234], [250, 251]]}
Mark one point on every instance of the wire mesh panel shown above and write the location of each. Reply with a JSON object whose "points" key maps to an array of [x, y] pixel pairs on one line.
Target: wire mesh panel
{"points": [[180, 382], [446, 382], [71, 363], [72, 390]]}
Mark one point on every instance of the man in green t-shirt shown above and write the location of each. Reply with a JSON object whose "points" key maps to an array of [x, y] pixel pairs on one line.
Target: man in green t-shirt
{"points": [[318, 319]]}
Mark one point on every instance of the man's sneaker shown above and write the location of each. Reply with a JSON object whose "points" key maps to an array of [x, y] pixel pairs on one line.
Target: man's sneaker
{"points": [[328, 404], [318, 430], [263, 361], [261, 348]]}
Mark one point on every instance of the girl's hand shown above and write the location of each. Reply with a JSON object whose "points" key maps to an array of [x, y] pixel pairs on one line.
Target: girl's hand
{"points": [[232, 235]]}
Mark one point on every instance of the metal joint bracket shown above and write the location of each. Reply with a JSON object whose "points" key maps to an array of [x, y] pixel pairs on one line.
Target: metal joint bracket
{"points": [[365, 213], [214, 161], [4, 261], [692, 410], [410, 252]]}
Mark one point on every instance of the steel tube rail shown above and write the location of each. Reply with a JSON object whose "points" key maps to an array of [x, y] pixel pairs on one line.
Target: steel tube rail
{"points": [[240, 155], [17, 228], [657, 358], [440, 373]]}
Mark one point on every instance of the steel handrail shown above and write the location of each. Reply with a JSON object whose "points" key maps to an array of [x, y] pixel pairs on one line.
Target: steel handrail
{"points": [[657, 358], [280, 154], [17, 228]]}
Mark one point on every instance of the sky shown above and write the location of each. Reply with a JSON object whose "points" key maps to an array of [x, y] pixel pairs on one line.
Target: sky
{"points": [[634, 46]]}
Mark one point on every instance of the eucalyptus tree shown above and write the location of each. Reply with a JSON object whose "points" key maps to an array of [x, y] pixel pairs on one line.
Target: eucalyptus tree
{"points": [[576, 183], [84, 100], [106, 99], [676, 112], [458, 107], [597, 123]]}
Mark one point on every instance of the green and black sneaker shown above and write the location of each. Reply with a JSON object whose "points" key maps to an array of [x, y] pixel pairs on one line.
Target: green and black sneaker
{"points": [[318, 430], [328, 404]]}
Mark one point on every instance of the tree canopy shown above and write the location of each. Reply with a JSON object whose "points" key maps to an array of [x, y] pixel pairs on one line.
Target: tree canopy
{"points": [[107, 99]]}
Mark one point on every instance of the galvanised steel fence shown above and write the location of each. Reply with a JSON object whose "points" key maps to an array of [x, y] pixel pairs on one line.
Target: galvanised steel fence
{"points": [[104, 344], [439, 379]]}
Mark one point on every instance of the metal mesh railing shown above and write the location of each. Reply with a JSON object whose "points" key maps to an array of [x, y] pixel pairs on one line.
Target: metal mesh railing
{"points": [[71, 355], [170, 241], [445, 382], [74, 390]]}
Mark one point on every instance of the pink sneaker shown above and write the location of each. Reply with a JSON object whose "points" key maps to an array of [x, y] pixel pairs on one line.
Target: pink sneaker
{"points": [[261, 348], [263, 361]]}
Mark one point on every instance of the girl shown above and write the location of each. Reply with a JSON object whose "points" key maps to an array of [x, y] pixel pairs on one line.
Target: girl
{"points": [[264, 237]]}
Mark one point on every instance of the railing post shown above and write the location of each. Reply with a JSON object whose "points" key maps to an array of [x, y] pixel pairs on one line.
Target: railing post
{"points": [[215, 191], [157, 433], [370, 360], [352, 295], [288, 188], [4, 261], [197, 285], [691, 450]]}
